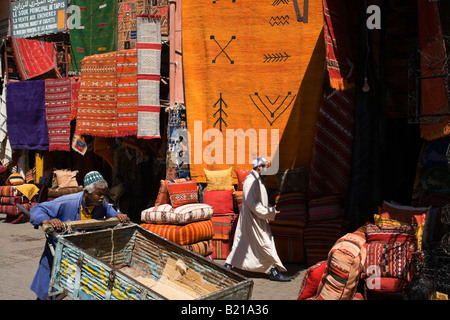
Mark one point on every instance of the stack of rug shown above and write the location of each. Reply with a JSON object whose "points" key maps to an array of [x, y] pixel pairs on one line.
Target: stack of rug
{"points": [[180, 218], [324, 227], [17, 193]]}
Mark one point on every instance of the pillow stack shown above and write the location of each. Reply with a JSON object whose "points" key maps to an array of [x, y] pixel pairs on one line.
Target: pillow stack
{"points": [[11, 195], [180, 218]]}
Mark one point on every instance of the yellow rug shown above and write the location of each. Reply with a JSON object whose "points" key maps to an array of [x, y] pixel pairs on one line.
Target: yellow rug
{"points": [[251, 65]]}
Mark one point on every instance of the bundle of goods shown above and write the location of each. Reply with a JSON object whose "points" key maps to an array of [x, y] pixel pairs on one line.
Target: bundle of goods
{"points": [[16, 195], [324, 227], [63, 182], [179, 217]]}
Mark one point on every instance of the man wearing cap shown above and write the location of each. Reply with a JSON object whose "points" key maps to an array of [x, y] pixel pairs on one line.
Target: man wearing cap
{"points": [[87, 204], [253, 245]]}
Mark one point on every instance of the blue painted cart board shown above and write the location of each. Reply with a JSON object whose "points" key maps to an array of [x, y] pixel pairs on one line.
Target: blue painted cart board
{"points": [[87, 266]]}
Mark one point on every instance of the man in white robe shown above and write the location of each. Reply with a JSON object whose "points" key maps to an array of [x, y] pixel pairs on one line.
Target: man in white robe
{"points": [[253, 246]]}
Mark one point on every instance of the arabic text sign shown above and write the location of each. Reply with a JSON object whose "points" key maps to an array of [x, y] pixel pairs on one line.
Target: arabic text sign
{"points": [[37, 17]]}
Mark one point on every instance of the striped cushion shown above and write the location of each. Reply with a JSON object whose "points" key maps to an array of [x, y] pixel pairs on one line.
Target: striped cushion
{"points": [[324, 208], [15, 179], [183, 234], [221, 249], [291, 229], [311, 280], [13, 210], [203, 248], [390, 233], [344, 265], [290, 250], [238, 197], [166, 214], [292, 206], [9, 191], [14, 200], [222, 226], [183, 193], [163, 193], [389, 259]]}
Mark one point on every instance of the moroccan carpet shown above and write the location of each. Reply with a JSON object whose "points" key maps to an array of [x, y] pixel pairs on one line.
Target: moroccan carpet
{"points": [[148, 75], [97, 33], [255, 66], [33, 57], [126, 25], [58, 100]]}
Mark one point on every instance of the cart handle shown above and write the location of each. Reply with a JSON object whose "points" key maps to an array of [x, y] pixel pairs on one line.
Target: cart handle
{"points": [[84, 224]]}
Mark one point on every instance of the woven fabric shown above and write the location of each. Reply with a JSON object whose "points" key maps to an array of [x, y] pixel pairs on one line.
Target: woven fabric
{"points": [[325, 208], [58, 101], [148, 75], [290, 250], [241, 175], [127, 99], [58, 192], [98, 34], [126, 22], [343, 269], [332, 150], [412, 215], [203, 248], [183, 193], [15, 179], [183, 234], [222, 226], [292, 206], [75, 81], [166, 214], [9, 191], [381, 221], [391, 259], [286, 228], [97, 99], [226, 42], [389, 233], [219, 179], [161, 8], [221, 201], [221, 249], [238, 196], [13, 200], [27, 98], [291, 180], [13, 210], [311, 280], [33, 57], [163, 193]]}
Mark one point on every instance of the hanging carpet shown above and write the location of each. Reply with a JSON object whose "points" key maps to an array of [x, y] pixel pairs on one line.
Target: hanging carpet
{"points": [[97, 33], [25, 106], [126, 24], [251, 65], [58, 100], [34, 58]]}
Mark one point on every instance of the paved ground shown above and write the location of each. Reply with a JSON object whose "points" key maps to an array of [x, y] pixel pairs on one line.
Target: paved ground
{"points": [[21, 247]]}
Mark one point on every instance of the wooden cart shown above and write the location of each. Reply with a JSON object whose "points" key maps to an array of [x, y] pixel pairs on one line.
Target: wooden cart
{"points": [[131, 263]]}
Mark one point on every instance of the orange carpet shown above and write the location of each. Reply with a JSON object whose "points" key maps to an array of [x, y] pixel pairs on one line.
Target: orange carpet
{"points": [[251, 65]]}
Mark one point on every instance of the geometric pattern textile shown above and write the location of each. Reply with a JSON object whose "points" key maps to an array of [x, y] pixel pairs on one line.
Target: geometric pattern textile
{"points": [[126, 25], [148, 75], [251, 66], [166, 214], [58, 98]]}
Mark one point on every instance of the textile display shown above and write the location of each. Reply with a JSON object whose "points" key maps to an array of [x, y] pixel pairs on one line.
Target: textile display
{"points": [[221, 201], [67, 178], [166, 214], [126, 24], [98, 32], [127, 99], [221, 248], [291, 180], [332, 150], [241, 175], [385, 285], [58, 101], [390, 233], [238, 199], [311, 280], [392, 258], [177, 148], [219, 179], [419, 228], [15, 179], [5, 149], [245, 70], [434, 91], [27, 98], [79, 144], [29, 190], [343, 269], [75, 82], [222, 226], [183, 193], [148, 48], [161, 8], [163, 193], [183, 234], [412, 215], [288, 237], [292, 206], [13, 200], [325, 208], [13, 210], [9, 191], [34, 58], [203, 248]]}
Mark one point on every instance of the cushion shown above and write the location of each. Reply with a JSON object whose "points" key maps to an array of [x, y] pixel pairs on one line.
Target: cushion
{"points": [[292, 206], [404, 233], [238, 197], [13, 210], [286, 228], [385, 285], [163, 193], [183, 234], [203, 248], [241, 175], [344, 265], [324, 208], [166, 214], [15, 179], [311, 280], [58, 192], [222, 226], [183, 193], [221, 248], [221, 201], [291, 180], [388, 259], [412, 215], [380, 221], [14, 200], [219, 180], [9, 191], [290, 250], [66, 178]]}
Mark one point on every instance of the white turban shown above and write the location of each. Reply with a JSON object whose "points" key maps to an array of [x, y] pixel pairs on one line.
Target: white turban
{"points": [[260, 160]]}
